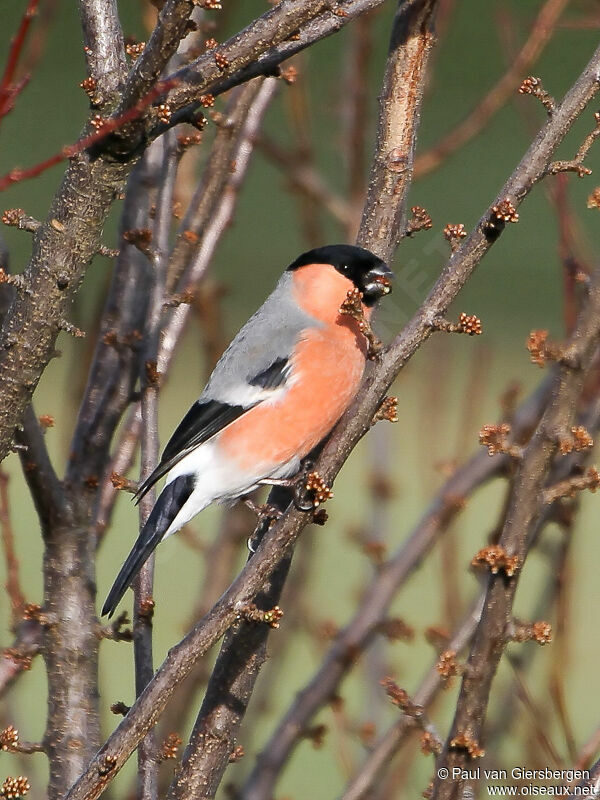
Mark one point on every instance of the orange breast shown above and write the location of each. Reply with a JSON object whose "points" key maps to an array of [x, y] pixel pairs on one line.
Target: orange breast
{"points": [[327, 370]]}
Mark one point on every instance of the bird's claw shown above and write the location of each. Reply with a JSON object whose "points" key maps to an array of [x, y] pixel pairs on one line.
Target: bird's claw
{"points": [[265, 511], [308, 488], [301, 499]]}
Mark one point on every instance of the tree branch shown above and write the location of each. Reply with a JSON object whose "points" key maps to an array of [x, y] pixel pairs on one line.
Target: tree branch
{"points": [[374, 605], [68, 239], [385, 748], [171, 28], [17, 658], [286, 29], [525, 506], [63, 246], [244, 650], [281, 537], [150, 380], [104, 49], [399, 108]]}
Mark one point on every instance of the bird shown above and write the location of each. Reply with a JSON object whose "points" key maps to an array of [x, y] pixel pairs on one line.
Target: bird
{"points": [[276, 393]]}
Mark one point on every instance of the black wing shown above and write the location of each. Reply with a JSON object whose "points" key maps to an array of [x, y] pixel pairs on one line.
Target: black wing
{"points": [[274, 376], [206, 418], [203, 420]]}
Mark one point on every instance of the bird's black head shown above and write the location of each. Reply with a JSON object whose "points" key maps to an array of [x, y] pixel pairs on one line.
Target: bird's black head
{"points": [[367, 272]]}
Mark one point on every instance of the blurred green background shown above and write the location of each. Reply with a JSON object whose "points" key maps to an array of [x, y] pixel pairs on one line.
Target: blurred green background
{"points": [[449, 390]]}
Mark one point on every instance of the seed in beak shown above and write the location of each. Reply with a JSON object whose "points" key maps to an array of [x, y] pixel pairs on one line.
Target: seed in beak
{"points": [[385, 282]]}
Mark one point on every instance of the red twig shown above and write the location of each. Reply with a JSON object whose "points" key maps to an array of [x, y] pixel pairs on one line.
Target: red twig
{"points": [[13, 586], [108, 126], [8, 90]]}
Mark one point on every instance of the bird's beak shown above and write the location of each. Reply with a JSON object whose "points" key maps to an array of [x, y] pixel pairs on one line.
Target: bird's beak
{"points": [[378, 282]]}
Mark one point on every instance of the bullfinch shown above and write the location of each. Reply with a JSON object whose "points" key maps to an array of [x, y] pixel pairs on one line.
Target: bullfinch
{"points": [[277, 391]]}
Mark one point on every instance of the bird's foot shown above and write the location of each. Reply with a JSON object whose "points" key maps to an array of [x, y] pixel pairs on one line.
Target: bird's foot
{"points": [[308, 488], [265, 511]]}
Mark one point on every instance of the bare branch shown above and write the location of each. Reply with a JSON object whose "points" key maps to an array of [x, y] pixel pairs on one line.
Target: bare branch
{"points": [[259, 49], [384, 217], [374, 607], [525, 507], [243, 652], [65, 243], [104, 48], [68, 239], [143, 586], [576, 164], [171, 28]]}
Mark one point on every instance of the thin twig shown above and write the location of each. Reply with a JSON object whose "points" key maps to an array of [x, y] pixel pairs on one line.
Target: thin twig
{"points": [[104, 130], [541, 32], [143, 585], [389, 743], [280, 33], [8, 90]]}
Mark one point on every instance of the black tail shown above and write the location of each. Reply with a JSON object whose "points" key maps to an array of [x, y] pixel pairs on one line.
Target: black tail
{"points": [[166, 508]]}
